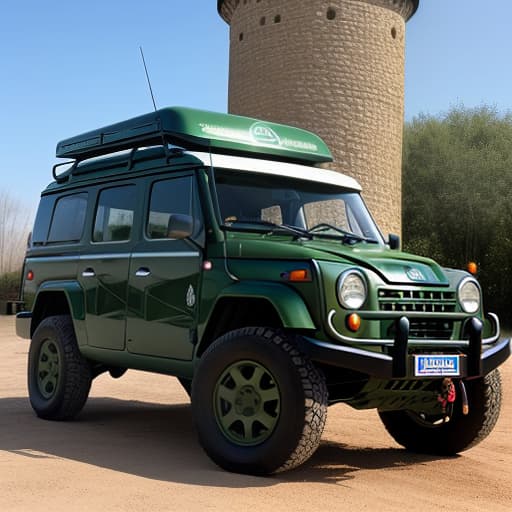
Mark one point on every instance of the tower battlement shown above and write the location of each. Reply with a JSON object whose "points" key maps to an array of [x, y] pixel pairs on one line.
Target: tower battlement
{"points": [[405, 8]]}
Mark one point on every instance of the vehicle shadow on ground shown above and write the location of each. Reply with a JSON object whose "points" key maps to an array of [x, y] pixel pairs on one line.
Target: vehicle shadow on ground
{"points": [[337, 462], [159, 442]]}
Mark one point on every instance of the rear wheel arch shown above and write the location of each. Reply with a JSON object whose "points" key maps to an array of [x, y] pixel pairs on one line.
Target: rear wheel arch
{"points": [[57, 298], [48, 303]]}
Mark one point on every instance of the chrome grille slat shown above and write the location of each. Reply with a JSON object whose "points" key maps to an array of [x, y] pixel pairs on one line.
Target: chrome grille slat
{"points": [[424, 301]]}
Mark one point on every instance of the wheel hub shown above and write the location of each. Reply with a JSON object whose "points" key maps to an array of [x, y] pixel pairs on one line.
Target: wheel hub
{"points": [[48, 369], [247, 401]]}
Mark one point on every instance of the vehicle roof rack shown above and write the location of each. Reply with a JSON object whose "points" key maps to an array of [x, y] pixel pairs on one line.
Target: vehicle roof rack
{"points": [[199, 130]]}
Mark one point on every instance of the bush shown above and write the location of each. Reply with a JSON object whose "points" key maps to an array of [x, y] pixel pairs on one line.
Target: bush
{"points": [[10, 285], [457, 200], [15, 221], [457, 196]]}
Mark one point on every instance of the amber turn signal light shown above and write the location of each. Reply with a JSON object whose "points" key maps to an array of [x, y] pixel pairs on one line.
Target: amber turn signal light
{"points": [[354, 322], [297, 276], [472, 267]]}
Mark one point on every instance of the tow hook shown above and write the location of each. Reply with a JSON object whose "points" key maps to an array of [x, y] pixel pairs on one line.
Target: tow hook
{"points": [[464, 398], [446, 397]]}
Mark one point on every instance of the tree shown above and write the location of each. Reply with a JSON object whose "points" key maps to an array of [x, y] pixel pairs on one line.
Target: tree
{"points": [[15, 224], [457, 195]]}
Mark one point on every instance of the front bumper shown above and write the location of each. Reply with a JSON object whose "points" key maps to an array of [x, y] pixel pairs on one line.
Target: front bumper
{"points": [[477, 358]]}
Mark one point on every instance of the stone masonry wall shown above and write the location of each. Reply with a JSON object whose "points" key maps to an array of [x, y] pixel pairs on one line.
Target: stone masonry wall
{"points": [[336, 68]]}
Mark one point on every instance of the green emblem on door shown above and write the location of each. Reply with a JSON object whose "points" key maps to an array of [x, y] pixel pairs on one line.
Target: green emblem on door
{"points": [[191, 297]]}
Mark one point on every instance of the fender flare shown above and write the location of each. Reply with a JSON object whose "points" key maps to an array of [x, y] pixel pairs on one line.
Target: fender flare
{"points": [[288, 304], [73, 292], [75, 298]]}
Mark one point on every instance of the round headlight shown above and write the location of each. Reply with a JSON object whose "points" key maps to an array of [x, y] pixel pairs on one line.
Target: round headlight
{"points": [[351, 289], [469, 296]]}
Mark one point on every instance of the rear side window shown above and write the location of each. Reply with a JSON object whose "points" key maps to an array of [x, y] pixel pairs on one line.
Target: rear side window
{"points": [[68, 218], [114, 214], [43, 219]]}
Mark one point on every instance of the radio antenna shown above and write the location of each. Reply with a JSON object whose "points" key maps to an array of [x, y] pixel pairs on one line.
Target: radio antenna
{"points": [[147, 76]]}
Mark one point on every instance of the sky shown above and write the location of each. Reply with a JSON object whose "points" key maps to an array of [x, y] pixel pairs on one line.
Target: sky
{"points": [[67, 67]]}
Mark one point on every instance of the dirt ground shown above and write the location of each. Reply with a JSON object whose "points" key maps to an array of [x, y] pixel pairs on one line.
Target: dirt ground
{"points": [[134, 448]]}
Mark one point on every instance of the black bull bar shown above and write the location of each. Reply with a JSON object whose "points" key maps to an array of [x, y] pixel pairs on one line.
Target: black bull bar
{"points": [[476, 358]]}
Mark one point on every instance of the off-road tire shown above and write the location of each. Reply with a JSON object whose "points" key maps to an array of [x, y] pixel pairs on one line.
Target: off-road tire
{"points": [[302, 401], [461, 432], [72, 374]]}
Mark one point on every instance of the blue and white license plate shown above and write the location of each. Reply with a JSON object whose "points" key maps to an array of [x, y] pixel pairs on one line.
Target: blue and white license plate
{"points": [[436, 366]]}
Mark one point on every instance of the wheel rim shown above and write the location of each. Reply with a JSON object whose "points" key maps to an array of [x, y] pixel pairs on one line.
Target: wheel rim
{"points": [[247, 403], [48, 368]]}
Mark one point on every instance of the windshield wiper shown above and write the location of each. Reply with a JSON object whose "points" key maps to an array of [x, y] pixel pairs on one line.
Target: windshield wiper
{"points": [[348, 236], [299, 232]]}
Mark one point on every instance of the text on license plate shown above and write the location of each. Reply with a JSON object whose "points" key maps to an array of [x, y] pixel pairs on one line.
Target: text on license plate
{"points": [[432, 366]]}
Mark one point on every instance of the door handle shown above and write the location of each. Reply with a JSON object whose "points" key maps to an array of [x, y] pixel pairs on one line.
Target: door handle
{"points": [[143, 272], [88, 272]]}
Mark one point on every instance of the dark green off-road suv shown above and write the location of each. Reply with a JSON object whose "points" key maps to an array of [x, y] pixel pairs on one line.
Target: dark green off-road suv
{"points": [[215, 248]]}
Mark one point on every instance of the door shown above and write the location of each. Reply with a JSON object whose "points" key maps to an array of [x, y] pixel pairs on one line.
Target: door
{"points": [[103, 268], [164, 274]]}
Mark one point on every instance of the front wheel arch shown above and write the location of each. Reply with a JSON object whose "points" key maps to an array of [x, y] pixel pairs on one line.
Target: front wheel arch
{"points": [[252, 303], [232, 313]]}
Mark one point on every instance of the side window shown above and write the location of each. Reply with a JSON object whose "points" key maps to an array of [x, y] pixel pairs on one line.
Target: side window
{"points": [[68, 218], [114, 214], [172, 196], [43, 218]]}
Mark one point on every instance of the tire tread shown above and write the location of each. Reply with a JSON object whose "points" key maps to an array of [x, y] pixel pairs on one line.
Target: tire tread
{"points": [[313, 386], [462, 432], [76, 373]]}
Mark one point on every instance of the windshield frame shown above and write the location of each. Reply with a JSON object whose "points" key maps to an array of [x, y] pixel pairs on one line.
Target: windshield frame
{"points": [[287, 229]]}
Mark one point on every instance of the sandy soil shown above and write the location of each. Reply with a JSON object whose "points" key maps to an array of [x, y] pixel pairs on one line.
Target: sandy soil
{"points": [[134, 448]]}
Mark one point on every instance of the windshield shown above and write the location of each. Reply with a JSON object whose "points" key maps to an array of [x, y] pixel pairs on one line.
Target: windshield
{"points": [[270, 203]]}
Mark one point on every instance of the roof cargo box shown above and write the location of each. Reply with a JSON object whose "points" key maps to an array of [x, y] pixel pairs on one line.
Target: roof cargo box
{"points": [[200, 130]]}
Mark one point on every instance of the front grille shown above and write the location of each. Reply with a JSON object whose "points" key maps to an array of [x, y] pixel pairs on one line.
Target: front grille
{"points": [[417, 301], [425, 329], [421, 302], [431, 329]]}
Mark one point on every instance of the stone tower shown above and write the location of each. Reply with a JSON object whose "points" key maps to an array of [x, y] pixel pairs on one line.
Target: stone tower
{"points": [[335, 67]]}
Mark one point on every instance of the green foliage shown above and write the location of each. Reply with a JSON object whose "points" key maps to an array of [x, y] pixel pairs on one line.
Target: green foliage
{"points": [[457, 195], [10, 285]]}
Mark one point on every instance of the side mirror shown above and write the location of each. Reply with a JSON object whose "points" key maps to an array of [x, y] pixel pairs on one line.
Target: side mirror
{"points": [[180, 226], [394, 242]]}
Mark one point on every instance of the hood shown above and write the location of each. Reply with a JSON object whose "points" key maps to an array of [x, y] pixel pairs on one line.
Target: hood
{"points": [[394, 267]]}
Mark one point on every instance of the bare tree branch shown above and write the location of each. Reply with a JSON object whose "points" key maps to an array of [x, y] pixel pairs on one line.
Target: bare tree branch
{"points": [[15, 222]]}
